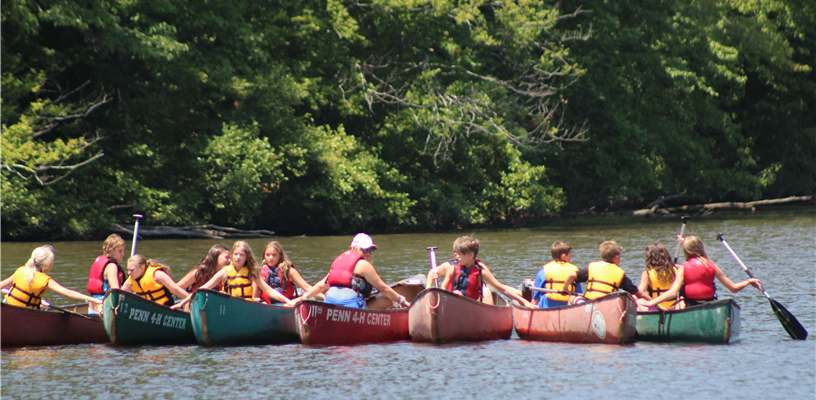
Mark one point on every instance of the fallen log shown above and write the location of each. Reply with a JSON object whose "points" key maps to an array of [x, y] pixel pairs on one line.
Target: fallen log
{"points": [[709, 208], [196, 231]]}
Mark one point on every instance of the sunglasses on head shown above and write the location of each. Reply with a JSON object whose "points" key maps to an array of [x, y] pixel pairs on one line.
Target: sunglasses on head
{"points": [[369, 251]]}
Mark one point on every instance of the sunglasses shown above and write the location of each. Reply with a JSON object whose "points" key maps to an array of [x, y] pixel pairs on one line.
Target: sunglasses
{"points": [[369, 251]]}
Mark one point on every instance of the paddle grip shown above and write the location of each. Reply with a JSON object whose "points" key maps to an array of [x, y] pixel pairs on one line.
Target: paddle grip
{"points": [[433, 263], [135, 234]]}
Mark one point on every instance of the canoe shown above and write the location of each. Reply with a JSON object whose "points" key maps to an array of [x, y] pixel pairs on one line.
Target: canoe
{"points": [[222, 320], [440, 316], [610, 319], [131, 320], [329, 324], [714, 322], [23, 326]]}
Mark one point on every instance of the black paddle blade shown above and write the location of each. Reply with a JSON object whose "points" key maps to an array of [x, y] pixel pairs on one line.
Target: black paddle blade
{"points": [[789, 322]]}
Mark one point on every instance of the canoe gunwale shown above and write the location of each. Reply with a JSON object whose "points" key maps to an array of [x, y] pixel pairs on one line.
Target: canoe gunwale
{"points": [[671, 326], [433, 326]]}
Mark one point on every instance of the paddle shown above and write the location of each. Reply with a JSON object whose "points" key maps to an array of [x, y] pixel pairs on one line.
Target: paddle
{"points": [[65, 310], [538, 289], [789, 322], [685, 219], [433, 264], [135, 234]]}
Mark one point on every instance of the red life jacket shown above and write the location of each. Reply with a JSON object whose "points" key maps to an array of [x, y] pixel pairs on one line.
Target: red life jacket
{"points": [[342, 268], [698, 276], [96, 278], [470, 283], [287, 288]]}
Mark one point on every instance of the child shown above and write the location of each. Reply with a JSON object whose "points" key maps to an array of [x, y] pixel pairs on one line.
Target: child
{"points": [[151, 280], [215, 260], [604, 277], [280, 274], [30, 282], [468, 276], [106, 273], [698, 274], [554, 274], [659, 274]]}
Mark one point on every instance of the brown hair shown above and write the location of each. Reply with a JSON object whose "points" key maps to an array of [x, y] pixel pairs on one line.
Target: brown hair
{"points": [[250, 263], [610, 249], [466, 244], [284, 264], [208, 266], [111, 243], [659, 260], [558, 248]]}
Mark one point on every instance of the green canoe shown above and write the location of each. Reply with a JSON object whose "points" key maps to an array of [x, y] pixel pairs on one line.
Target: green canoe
{"points": [[222, 320], [713, 322], [131, 320]]}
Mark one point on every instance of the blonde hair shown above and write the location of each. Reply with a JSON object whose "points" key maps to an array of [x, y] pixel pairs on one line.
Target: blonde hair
{"points": [[111, 243], [43, 255], [284, 264], [610, 249], [693, 247], [250, 263], [659, 260], [466, 244], [141, 261], [558, 248]]}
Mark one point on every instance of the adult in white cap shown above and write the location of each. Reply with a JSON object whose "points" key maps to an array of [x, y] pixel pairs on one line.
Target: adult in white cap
{"points": [[352, 277]]}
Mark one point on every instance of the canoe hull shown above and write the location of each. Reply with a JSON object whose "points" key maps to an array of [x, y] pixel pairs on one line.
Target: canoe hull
{"points": [[714, 322], [219, 319], [610, 320], [439, 316], [131, 320], [22, 326], [329, 324]]}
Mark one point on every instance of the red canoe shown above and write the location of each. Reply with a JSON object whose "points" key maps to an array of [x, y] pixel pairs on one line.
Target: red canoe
{"points": [[610, 319], [23, 326], [440, 316], [329, 324]]}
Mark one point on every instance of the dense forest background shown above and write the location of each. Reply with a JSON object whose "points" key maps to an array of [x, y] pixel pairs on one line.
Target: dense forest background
{"points": [[332, 116]]}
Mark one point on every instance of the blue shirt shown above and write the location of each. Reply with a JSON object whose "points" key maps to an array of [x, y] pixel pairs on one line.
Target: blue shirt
{"points": [[543, 300]]}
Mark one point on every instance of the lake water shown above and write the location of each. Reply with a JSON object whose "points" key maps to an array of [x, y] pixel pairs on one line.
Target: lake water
{"points": [[778, 246]]}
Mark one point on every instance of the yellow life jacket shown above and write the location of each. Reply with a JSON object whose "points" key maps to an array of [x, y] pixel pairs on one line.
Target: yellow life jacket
{"points": [[557, 273], [150, 289], [25, 295], [656, 288], [603, 278], [238, 283]]}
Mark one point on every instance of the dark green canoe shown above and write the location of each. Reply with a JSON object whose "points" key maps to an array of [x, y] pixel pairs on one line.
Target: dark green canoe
{"points": [[222, 320], [714, 322], [131, 320]]}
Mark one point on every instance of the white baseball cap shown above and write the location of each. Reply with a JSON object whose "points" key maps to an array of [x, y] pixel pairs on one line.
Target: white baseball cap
{"points": [[363, 241]]}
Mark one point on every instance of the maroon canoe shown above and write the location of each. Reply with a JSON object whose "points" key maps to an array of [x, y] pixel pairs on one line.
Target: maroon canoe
{"points": [[329, 324], [23, 326], [610, 319], [440, 316]]}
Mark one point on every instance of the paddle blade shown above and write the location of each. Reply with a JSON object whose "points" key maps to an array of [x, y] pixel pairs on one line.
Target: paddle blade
{"points": [[789, 322]]}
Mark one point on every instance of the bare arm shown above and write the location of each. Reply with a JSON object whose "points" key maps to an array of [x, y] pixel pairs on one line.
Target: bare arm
{"points": [[644, 281], [367, 271], [297, 279], [127, 287], [734, 287], [272, 293], [218, 277], [319, 287], [570, 279], [491, 280], [162, 277], [7, 282], [63, 291], [441, 269], [188, 279], [672, 292], [112, 273]]}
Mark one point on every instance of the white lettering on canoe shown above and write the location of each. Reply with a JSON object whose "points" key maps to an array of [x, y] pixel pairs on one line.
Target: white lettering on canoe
{"points": [[174, 322], [379, 319], [334, 314], [139, 315]]}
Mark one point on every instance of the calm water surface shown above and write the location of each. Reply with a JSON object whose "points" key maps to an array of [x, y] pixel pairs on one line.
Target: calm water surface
{"points": [[779, 247]]}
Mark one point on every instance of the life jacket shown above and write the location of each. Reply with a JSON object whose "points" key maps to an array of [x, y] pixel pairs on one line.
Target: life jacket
{"points": [[274, 278], [97, 278], [467, 280], [342, 273], [656, 288], [557, 273], [238, 283], [24, 295], [150, 289], [698, 276], [602, 278]]}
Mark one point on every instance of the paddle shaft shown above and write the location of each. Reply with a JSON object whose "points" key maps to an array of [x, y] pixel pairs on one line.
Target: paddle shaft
{"points": [[135, 234], [685, 219], [538, 289], [747, 271], [433, 264]]}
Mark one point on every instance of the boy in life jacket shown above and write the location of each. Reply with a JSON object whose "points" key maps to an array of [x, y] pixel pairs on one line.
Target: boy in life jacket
{"points": [[604, 277], [30, 282], [106, 273], [470, 274], [554, 274], [151, 280]]}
